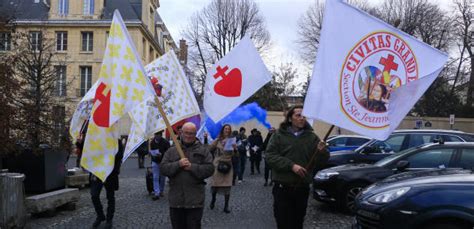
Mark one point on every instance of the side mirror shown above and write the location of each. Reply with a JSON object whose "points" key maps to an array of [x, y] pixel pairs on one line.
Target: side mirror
{"points": [[402, 165]]}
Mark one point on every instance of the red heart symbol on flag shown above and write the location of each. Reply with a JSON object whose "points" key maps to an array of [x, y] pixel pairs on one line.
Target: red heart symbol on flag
{"points": [[231, 84], [101, 114]]}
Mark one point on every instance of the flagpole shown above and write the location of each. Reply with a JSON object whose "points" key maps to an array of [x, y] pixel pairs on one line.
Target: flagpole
{"points": [[170, 129], [311, 160]]}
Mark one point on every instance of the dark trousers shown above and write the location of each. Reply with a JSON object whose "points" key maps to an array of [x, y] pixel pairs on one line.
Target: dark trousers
{"points": [[289, 206], [141, 160], [267, 171], [255, 163], [236, 167], [186, 218], [243, 161], [96, 187]]}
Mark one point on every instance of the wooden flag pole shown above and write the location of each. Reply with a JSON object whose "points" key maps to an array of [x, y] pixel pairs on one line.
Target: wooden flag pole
{"points": [[328, 133], [170, 129], [310, 163]]}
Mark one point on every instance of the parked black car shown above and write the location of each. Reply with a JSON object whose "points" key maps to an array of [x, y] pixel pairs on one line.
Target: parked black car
{"points": [[346, 142], [399, 140], [438, 199], [341, 184]]}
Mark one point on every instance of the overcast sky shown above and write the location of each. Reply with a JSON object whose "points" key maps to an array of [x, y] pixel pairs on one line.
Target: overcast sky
{"points": [[281, 17]]}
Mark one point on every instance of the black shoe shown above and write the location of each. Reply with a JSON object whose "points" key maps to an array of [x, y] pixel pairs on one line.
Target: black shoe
{"points": [[227, 211], [97, 222], [251, 173], [155, 198], [108, 224], [212, 205], [265, 184]]}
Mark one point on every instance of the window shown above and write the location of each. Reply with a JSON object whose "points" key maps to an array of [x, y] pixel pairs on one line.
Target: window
{"points": [[88, 7], [467, 159], [86, 79], [5, 41], [61, 41], [143, 48], [451, 138], [60, 80], [35, 40], [431, 158], [395, 142], [87, 41], [63, 7], [150, 54], [356, 141], [337, 142]]}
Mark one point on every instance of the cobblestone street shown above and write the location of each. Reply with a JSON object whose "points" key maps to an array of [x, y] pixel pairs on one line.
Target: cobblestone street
{"points": [[251, 206]]}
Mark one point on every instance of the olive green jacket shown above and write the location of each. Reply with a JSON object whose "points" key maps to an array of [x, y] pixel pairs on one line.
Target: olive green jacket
{"points": [[285, 149]]}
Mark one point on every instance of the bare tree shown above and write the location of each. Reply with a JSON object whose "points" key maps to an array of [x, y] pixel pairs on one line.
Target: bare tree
{"points": [[35, 71], [464, 32], [273, 95], [217, 28], [310, 25]]}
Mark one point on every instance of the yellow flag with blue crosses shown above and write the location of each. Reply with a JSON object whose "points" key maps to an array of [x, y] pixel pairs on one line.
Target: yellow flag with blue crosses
{"points": [[121, 87], [175, 94]]}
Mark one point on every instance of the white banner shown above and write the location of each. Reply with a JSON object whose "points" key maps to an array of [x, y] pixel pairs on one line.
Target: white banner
{"points": [[367, 75]]}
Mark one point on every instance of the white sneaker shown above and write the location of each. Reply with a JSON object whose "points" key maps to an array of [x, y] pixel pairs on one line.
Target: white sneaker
{"points": [[239, 182]]}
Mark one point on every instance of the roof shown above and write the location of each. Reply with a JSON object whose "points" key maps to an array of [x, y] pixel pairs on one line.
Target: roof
{"points": [[29, 10], [129, 9], [429, 131], [350, 136], [25, 9]]}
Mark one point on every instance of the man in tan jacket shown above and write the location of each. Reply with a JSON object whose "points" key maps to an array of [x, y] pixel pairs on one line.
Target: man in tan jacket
{"points": [[186, 179]]}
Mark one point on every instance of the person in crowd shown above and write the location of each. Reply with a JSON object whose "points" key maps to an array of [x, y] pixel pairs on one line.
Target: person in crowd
{"points": [[242, 145], [235, 159], [142, 151], [288, 153], [255, 147], [157, 146], [267, 171], [187, 175], [222, 178], [111, 185]]}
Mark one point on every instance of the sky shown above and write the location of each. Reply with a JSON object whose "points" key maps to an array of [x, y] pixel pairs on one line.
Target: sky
{"points": [[281, 18]]}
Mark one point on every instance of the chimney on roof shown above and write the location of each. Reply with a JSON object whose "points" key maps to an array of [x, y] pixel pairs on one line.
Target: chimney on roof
{"points": [[183, 52]]}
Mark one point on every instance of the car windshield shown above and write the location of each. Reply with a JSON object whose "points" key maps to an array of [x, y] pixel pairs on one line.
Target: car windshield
{"points": [[387, 160], [364, 145]]}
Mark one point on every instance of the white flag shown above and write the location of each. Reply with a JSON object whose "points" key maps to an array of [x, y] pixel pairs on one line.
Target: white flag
{"points": [[367, 75], [233, 79], [122, 85], [176, 97]]}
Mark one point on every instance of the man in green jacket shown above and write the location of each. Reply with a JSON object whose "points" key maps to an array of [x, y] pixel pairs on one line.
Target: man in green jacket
{"points": [[186, 179], [289, 153]]}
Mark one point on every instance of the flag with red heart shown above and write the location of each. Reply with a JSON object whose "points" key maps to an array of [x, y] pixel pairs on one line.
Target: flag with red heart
{"points": [[233, 79]]}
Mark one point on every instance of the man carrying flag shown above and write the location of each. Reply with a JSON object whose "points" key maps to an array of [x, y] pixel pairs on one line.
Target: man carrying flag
{"points": [[121, 86]]}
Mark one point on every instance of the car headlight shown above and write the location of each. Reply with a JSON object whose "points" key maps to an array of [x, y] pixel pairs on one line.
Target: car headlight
{"points": [[387, 196], [324, 175]]}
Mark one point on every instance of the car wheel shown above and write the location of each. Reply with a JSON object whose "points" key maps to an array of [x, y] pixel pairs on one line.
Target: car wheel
{"points": [[349, 196]]}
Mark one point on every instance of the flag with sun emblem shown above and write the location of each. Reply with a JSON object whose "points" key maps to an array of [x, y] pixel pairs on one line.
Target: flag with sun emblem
{"points": [[122, 85], [175, 94]]}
